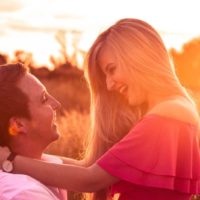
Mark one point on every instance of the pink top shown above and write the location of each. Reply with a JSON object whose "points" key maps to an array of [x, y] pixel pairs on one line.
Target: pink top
{"points": [[23, 187], [159, 159]]}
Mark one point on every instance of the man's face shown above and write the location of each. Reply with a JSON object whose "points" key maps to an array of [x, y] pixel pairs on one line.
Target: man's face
{"points": [[42, 107]]}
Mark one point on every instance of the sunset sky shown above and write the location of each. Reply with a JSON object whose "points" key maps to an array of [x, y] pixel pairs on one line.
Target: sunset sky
{"points": [[32, 25]]}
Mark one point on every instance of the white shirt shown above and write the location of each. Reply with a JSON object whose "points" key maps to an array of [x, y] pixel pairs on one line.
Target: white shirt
{"points": [[23, 187]]}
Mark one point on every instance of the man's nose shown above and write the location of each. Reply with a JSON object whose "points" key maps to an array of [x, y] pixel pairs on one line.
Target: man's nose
{"points": [[110, 84], [55, 104]]}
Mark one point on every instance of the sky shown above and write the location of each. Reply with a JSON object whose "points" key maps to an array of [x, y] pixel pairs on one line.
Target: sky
{"points": [[33, 26]]}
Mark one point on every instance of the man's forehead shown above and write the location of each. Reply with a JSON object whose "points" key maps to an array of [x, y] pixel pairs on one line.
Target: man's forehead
{"points": [[31, 85]]}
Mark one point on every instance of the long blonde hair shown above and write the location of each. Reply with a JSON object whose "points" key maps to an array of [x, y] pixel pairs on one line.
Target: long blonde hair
{"points": [[140, 50]]}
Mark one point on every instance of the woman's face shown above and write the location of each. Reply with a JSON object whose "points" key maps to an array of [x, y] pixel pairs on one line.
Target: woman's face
{"points": [[118, 78]]}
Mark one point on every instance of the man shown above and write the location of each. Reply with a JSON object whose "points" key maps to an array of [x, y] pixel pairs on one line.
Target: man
{"points": [[27, 127]]}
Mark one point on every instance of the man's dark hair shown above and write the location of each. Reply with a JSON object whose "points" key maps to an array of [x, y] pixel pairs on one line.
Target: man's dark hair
{"points": [[13, 102]]}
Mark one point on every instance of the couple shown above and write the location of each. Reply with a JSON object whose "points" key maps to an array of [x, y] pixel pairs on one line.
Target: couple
{"points": [[144, 126]]}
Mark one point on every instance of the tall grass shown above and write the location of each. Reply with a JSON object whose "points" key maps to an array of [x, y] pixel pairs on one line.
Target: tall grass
{"points": [[73, 127], [74, 124]]}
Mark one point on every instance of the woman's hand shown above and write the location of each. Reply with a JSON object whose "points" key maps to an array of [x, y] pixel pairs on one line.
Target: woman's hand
{"points": [[4, 153]]}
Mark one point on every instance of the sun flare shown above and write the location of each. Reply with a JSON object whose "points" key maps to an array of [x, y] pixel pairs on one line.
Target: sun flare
{"points": [[30, 26]]}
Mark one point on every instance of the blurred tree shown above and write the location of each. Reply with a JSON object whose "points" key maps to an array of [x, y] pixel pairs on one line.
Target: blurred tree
{"points": [[61, 39], [24, 57], [76, 51], [3, 59], [187, 64], [69, 50]]}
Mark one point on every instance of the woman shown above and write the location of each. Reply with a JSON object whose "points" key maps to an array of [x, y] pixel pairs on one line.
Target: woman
{"points": [[133, 86]]}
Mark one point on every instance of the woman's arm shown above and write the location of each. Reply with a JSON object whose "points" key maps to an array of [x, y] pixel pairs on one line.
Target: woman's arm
{"points": [[72, 161], [65, 160], [71, 177]]}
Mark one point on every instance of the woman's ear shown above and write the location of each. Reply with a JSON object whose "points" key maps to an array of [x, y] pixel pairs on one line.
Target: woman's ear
{"points": [[16, 126]]}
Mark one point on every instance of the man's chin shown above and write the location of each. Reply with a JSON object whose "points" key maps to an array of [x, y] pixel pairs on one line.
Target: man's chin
{"points": [[55, 131], [56, 136]]}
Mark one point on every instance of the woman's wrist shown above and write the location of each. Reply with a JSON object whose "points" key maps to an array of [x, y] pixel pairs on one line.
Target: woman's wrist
{"points": [[8, 164]]}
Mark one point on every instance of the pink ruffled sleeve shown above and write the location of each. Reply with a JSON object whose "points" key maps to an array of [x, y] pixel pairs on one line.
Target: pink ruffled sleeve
{"points": [[158, 152]]}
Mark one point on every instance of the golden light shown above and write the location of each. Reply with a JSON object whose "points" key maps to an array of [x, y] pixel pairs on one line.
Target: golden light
{"points": [[32, 26]]}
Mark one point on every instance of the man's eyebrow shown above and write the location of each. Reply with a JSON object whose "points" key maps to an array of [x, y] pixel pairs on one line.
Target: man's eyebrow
{"points": [[42, 93]]}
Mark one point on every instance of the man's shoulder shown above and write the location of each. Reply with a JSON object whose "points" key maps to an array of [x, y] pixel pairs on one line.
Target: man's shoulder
{"points": [[18, 186]]}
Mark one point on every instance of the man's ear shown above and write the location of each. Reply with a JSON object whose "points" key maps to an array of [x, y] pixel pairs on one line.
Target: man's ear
{"points": [[17, 126]]}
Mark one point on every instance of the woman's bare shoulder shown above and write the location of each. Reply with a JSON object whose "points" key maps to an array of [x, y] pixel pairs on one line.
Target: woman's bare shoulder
{"points": [[179, 109]]}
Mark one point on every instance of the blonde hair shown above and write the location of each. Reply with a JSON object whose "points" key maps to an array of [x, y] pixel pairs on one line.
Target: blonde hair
{"points": [[140, 51]]}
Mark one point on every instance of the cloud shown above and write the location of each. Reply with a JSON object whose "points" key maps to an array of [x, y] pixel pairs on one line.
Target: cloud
{"points": [[66, 16], [38, 25], [2, 33], [10, 5]]}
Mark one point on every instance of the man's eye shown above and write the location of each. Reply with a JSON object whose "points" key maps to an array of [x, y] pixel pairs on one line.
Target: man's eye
{"points": [[44, 98]]}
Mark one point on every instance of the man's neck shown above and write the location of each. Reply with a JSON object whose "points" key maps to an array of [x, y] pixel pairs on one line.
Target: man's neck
{"points": [[27, 151], [30, 154]]}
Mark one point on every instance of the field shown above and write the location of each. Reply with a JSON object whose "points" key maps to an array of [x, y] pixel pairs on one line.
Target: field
{"points": [[73, 120], [67, 84]]}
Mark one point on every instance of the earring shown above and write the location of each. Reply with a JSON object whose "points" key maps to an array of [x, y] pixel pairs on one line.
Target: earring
{"points": [[12, 130]]}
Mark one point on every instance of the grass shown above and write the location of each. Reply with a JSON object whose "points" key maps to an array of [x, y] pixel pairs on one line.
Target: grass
{"points": [[73, 127], [74, 123]]}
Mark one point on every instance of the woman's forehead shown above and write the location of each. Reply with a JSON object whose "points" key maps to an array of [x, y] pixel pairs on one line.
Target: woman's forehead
{"points": [[106, 56]]}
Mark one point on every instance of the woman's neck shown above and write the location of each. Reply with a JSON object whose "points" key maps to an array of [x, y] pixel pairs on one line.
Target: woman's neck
{"points": [[153, 101]]}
